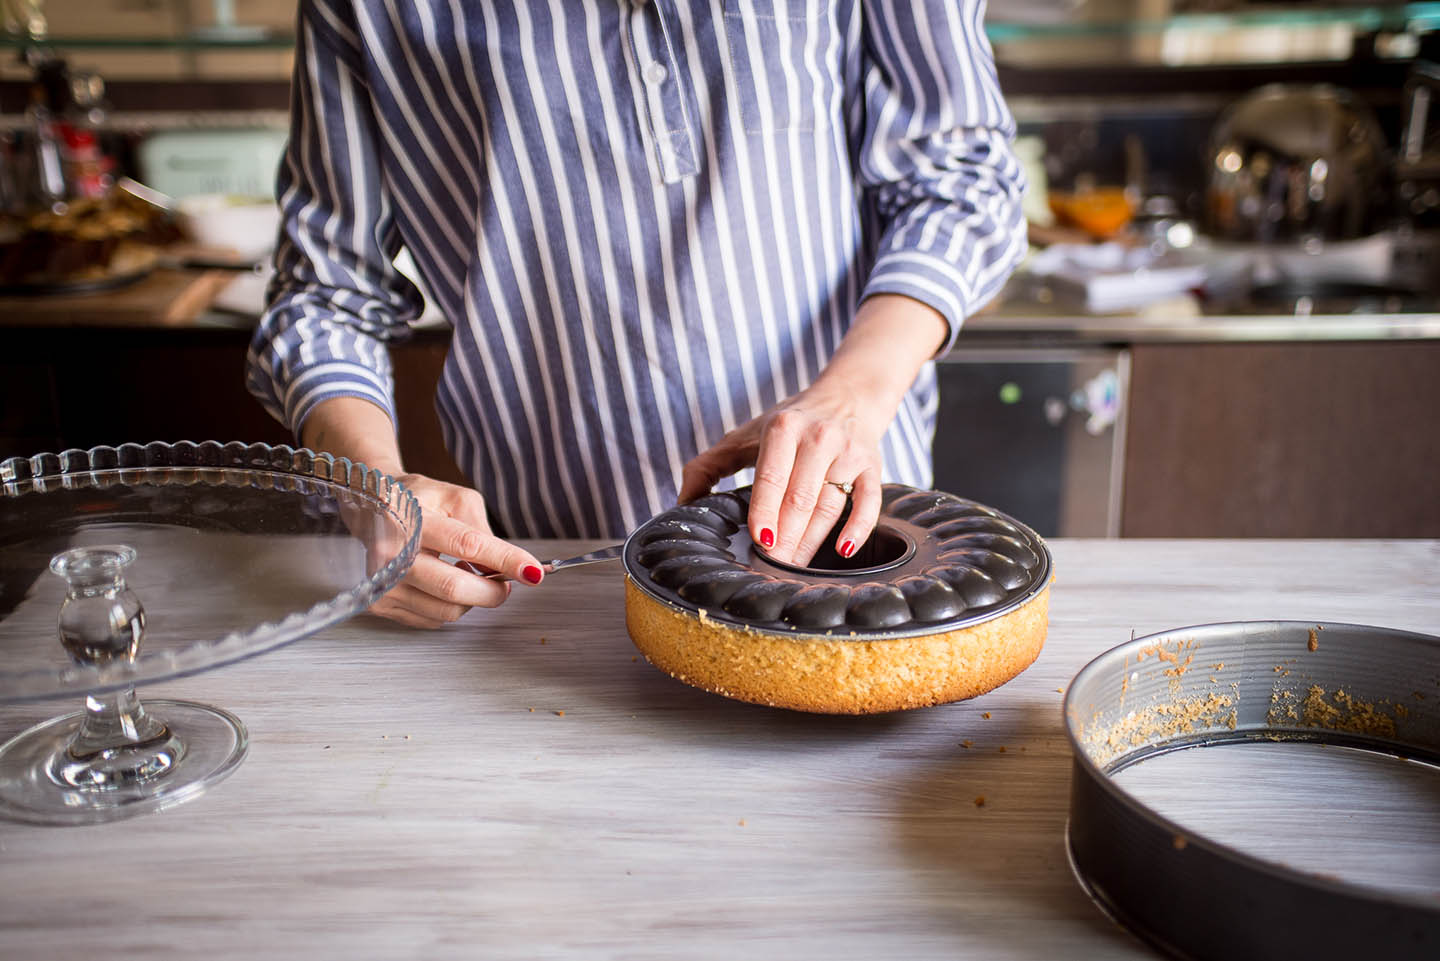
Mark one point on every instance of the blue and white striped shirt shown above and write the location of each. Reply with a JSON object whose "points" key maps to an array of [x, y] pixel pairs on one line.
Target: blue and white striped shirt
{"points": [[647, 221]]}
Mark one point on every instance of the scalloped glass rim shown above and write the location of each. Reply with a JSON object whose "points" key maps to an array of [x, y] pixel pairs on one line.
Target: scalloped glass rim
{"points": [[74, 468]]}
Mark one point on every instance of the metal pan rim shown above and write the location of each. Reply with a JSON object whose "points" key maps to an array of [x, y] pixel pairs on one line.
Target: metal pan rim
{"points": [[1148, 851]]}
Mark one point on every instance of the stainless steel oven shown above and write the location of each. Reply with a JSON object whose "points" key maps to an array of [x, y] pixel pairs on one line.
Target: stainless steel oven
{"points": [[1038, 433]]}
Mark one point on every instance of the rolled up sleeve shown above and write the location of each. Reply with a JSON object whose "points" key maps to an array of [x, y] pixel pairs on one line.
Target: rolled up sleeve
{"points": [[936, 158], [336, 299]]}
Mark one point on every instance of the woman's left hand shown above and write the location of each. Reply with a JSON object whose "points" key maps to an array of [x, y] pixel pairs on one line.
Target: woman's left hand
{"points": [[814, 450], [811, 453]]}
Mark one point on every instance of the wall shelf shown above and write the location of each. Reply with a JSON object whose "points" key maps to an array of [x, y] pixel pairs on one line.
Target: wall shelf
{"points": [[1364, 18]]}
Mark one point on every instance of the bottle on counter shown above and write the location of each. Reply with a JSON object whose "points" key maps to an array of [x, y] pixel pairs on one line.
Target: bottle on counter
{"points": [[89, 171], [47, 157]]}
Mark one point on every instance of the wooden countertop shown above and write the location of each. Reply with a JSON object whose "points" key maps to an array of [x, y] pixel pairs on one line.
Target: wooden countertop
{"points": [[164, 297], [521, 785]]}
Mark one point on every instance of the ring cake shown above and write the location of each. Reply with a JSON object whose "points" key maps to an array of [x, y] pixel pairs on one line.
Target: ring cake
{"points": [[948, 599]]}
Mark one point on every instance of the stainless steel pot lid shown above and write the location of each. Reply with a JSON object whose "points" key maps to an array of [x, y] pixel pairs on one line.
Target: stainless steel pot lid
{"points": [[1309, 826], [1294, 163]]}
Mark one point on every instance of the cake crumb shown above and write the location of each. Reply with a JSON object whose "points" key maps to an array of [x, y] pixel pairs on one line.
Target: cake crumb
{"points": [[542, 640], [559, 713], [1000, 749], [1059, 690], [532, 710], [1161, 722], [986, 715], [967, 743], [1179, 842], [1314, 642], [1346, 713], [742, 822], [980, 801]]}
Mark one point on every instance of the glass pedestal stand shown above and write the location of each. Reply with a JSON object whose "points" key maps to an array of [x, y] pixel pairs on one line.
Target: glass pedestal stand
{"points": [[118, 756]]}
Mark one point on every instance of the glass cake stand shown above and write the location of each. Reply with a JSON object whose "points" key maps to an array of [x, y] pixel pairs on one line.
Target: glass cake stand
{"points": [[121, 566]]}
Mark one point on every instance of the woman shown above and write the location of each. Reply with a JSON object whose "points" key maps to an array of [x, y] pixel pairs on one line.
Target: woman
{"points": [[675, 241]]}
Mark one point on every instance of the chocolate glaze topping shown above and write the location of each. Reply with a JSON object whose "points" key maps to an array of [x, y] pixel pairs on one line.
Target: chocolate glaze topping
{"points": [[937, 562]]}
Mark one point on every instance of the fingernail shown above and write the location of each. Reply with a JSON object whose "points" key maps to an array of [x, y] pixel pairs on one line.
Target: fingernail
{"points": [[847, 548], [767, 538], [532, 574]]}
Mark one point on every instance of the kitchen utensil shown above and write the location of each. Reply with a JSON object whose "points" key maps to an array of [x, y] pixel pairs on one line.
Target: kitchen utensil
{"points": [[594, 557], [1271, 693], [148, 194]]}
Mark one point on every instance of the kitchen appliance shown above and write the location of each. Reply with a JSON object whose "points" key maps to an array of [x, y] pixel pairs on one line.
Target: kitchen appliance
{"points": [[1037, 433], [229, 162]]}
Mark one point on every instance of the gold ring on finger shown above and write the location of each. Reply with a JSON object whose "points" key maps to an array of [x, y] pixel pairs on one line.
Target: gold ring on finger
{"points": [[846, 487]]}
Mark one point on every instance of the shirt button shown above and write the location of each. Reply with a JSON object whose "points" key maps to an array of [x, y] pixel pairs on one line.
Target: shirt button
{"points": [[655, 74]]}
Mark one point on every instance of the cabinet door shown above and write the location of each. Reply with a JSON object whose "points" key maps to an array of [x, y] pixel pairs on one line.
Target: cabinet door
{"points": [[28, 420], [1284, 440]]}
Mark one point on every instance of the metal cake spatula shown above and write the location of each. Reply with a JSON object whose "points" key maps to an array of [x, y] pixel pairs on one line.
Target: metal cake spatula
{"points": [[594, 557]]}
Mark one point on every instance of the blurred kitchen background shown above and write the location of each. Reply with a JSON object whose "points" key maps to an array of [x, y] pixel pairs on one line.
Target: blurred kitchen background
{"points": [[1227, 326]]}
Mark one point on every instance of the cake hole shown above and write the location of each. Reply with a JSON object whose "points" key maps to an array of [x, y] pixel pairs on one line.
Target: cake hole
{"points": [[885, 549]]}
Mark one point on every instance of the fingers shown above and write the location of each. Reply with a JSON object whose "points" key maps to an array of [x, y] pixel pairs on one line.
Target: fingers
{"points": [[445, 535], [449, 584], [828, 508], [864, 512], [698, 477], [413, 608], [794, 505], [435, 592], [734, 452], [809, 502], [773, 467]]}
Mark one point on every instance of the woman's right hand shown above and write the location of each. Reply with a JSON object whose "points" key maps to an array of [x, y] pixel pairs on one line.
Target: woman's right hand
{"points": [[452, 522], [436, 592]]}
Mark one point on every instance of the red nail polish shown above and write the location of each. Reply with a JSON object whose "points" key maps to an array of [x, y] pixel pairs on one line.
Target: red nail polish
{"points": [[532, 574], [767, 538], [847, 548]]}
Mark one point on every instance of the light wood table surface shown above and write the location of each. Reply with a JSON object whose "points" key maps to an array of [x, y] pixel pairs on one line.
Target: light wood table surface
{"points": [[520, 785]]}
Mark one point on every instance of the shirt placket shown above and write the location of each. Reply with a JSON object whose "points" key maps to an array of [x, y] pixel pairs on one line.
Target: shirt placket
{"points": [[653, 38]]}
